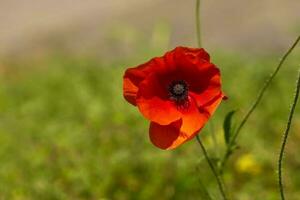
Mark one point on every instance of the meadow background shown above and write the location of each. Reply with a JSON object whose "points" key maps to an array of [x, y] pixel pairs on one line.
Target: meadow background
{"points": [[67, 133]]}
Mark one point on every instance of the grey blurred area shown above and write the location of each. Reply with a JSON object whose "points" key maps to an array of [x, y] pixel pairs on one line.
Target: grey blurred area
{"points": [[77, 26]]}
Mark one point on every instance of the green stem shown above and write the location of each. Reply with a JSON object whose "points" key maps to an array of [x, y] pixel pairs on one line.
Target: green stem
{"points": [[219, 180], [198, 23], [230, 147], [285, 137], [211, 165]]}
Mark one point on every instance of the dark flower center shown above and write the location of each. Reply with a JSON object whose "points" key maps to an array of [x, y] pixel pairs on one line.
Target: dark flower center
{"points": [[178, 91]]}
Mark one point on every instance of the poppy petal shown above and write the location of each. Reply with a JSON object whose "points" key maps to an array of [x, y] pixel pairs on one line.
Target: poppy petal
{"points": [[129, 91], [191, 55], [213, 105], [172, 135], [154, 103], [134, 76], [163, 136], [208, 88], [193, 119]]}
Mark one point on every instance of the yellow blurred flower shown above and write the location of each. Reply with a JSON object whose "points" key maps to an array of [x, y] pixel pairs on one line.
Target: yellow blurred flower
{"points": [[247, 164]]}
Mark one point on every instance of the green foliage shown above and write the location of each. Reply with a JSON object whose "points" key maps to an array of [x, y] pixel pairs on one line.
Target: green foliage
{"points": [[67, 133]]}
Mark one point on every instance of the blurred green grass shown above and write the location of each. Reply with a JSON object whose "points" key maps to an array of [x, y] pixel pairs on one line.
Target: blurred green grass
{"points": [[67, 133]]}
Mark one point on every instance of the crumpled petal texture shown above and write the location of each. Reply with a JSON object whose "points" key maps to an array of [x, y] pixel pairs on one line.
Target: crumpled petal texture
{"points": [[147, 87]]}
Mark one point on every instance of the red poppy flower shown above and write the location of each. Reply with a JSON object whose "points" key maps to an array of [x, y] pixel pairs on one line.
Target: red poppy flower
{"points": [[177, 92]]}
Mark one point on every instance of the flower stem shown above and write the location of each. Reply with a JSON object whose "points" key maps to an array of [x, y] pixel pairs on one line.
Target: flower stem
{"points": [[230, 147], [215, 172], [285, 137], [211, 165], [198, 23]]}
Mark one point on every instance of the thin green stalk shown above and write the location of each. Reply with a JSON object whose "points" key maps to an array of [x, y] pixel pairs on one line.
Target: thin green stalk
{"points": [[285, 137], [230, 147], [211, 165], [198, 31], [219, 180], [198, 23]]}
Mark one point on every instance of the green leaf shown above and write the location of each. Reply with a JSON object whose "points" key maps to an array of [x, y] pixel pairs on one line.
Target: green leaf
{"points": [[227, 126]]}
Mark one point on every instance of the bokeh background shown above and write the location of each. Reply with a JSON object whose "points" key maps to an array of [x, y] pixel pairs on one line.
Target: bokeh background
{"points": [[67, 133]]}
